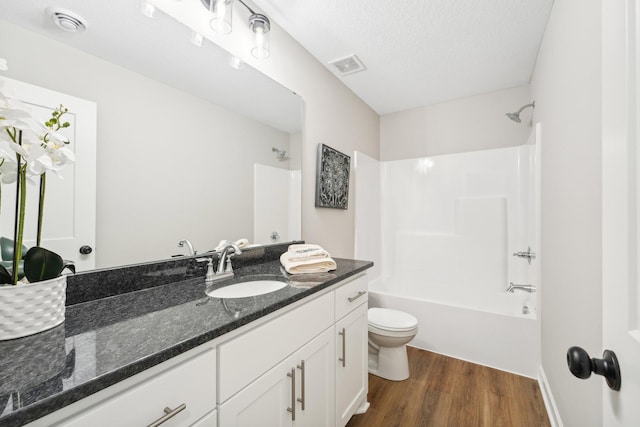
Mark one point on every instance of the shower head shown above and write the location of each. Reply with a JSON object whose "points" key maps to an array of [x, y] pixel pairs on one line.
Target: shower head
{"points": [[280, 154], [516, 116]]}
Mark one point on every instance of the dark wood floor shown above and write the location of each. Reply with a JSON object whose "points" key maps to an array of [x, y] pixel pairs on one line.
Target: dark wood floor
{"points": [[443, 391]]}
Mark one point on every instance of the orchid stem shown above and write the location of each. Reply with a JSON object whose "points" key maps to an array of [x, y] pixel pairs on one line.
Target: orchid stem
{"points": [[19, 223], [43, 186]]}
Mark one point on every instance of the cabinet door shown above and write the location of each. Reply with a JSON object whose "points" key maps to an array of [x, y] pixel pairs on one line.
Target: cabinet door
{"points": [[209, 420], [264, 402], [351, 364], [315, 382], [188, 389]]}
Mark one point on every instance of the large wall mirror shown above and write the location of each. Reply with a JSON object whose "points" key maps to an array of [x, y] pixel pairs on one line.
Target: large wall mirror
{"points": [[188, 147]]}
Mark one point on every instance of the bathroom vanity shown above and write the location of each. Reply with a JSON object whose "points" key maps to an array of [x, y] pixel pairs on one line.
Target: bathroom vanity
{"points": [[296, 356]]}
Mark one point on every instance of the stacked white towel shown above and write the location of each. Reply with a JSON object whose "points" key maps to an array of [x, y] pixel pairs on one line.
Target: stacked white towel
{"points": [[306, 258]]}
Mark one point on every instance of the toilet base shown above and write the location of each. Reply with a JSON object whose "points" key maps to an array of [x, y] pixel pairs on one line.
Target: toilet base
{"points": [[390, 363]]}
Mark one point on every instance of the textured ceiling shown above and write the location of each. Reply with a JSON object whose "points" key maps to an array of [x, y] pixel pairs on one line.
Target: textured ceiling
{"points": [[160, 49], [419, 52]]}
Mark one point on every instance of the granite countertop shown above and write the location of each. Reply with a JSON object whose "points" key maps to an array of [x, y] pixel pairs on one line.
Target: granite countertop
{"points": [[106, 340]]}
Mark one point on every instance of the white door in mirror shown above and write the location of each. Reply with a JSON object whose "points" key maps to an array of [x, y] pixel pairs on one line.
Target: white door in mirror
{"points": [[70, 203]]}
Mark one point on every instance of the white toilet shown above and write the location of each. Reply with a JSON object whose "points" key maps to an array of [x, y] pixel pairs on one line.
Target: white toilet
{"points": [[389, 332]]}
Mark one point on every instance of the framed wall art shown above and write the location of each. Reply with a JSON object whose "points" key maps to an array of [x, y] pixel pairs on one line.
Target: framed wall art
{"points": [[332, 178]]}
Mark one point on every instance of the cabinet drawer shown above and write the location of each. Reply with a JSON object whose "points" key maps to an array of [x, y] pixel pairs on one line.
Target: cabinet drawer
{"points": [[192, 383], [248, 356], [351, 295]]}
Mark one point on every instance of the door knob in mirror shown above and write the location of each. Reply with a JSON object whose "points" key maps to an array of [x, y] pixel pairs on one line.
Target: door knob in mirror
{"points": [[581, 365]]}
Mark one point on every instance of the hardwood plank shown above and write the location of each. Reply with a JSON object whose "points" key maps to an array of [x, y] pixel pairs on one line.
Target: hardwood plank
{"points": [[447, 392]]}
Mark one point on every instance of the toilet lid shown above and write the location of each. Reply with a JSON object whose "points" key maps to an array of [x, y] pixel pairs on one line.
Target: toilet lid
{"points": [[392, 320]]}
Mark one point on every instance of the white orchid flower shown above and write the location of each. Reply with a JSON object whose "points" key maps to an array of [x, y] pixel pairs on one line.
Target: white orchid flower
{"points": [[57, 138], [6, 150], [39, 162], [8, 172]]}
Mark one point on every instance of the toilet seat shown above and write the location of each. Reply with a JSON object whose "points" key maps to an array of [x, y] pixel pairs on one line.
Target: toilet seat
{"points": [[387, 319]]}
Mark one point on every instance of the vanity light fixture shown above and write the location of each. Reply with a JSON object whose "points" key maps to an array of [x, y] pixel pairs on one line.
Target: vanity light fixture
{"points": [[222, 11], [220, 22], [260, 26]]}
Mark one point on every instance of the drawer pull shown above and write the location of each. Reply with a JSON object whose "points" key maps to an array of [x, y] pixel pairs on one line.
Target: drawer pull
{"points": [[352, 299], [343, 359], [168, 414], [302, 399], [292, 409]]}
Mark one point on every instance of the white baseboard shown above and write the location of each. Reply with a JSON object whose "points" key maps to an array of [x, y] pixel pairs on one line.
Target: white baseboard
{"points": [[362, 408], [549, 401]]}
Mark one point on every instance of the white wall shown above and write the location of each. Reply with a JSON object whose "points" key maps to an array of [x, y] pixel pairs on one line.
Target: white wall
{"points": [[333, 115], [167, 161], [566, 85], [467, 124]]}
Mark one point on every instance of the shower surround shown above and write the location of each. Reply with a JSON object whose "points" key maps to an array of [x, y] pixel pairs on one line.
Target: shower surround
{"points": [[448, 227]]}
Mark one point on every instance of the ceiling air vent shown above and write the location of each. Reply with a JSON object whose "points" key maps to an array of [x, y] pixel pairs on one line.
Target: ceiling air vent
{"points": [[67, 20], [349, 65]]}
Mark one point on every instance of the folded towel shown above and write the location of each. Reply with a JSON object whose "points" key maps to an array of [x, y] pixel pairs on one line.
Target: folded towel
{"points": [[302, 252], [304, 259], [306, 281]]}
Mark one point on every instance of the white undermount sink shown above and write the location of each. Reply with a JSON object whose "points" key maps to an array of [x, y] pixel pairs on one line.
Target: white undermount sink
{"points": [[247, 289]]}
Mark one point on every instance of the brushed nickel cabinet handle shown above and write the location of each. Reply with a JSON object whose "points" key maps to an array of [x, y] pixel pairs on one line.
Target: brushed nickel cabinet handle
{"points": [[168, 414], [292, 409], [302, 399], [352, 299], [343, 359]]}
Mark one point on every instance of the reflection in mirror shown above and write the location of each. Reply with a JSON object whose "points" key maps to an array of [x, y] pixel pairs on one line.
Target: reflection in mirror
{"points": [[187, 146]]}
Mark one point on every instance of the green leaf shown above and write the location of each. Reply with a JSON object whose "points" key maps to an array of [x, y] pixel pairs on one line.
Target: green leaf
{"points": [[42, 264], [6, 249]]}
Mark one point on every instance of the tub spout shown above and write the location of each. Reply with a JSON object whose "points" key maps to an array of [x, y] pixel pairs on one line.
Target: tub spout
{"points": [[527, 288]]}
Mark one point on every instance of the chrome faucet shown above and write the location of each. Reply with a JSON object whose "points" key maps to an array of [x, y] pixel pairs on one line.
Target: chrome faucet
{"points": [[225, 257], [527, 288], [183, 242]]}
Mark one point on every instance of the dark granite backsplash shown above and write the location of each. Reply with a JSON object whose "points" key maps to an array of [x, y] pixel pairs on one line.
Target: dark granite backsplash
{"points": [[98, 284]]}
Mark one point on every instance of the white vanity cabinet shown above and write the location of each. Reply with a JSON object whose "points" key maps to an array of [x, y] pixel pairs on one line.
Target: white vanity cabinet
{"points": [[351, 350], [182, 394], [351, 370], [335, 369], [299, 391], [304, 366]]}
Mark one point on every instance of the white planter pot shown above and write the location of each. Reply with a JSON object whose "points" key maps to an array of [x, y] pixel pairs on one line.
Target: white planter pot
{"points": [[27, 309]]}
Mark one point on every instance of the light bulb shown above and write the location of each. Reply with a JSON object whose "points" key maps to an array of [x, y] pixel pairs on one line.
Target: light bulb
{"points": [[260, 26], [222, 11]]}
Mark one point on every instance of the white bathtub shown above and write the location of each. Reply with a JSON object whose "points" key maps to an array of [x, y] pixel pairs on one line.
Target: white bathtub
{"points": [[483, 327]]}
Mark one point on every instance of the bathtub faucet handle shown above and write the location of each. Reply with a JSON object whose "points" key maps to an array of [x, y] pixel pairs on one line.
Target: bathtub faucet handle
{"points": [[528, 254]]}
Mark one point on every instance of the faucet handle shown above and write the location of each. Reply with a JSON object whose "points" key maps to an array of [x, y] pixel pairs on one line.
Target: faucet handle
{"points": [[208, 278], [228, 267]]}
